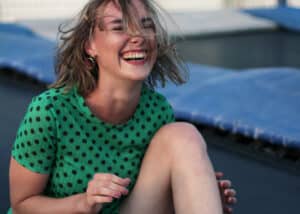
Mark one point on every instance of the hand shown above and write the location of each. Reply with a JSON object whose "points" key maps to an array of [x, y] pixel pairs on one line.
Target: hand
{"points": [[228, 194], [103, 188]]}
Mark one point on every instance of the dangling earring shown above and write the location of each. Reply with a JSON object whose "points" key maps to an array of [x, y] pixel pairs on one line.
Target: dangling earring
{"points": [[92, 61], [93, 66]]}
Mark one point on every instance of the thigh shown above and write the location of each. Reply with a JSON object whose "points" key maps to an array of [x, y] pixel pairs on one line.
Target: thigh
{"points": [[152, 191], [175, 164]]}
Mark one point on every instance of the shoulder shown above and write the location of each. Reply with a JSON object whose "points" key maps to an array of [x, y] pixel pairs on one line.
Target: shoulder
{"points": [[46, 106], [155, 102], [154, 95], [48, 99], [52, 94]]}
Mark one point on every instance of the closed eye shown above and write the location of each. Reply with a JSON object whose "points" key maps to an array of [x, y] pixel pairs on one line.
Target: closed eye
{"points": [[115, 24], [147, 23], [117, 28]]}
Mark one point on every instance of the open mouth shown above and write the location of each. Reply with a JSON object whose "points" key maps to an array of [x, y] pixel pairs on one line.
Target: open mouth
{"points": [[134, 56]]}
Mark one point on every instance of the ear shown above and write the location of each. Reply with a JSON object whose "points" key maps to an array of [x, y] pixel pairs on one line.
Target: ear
{"points": [[90, 48]]}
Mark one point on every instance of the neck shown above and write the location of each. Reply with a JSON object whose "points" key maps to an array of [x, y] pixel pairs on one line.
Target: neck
{"points": [[114, 104]]}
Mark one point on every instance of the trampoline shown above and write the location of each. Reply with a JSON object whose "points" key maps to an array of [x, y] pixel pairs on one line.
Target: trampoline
{"points": [[235, 64]]}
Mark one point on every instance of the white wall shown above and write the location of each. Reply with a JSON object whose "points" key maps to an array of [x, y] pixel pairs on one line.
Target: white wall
{"points": [[39, 9], [250, 3], [294, 3], [175, 5], [45, 9]]}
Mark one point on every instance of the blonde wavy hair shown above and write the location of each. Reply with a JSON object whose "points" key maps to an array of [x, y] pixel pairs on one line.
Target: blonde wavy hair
{"points": [[74, 67]]}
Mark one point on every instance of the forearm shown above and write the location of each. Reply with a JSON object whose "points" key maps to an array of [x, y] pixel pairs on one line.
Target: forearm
{"points": [[75, 204]]}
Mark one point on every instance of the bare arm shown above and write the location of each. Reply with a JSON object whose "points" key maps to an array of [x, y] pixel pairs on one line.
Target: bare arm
{"points": [[26, 188]]}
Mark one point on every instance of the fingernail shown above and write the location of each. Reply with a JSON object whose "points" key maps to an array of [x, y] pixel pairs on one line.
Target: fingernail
{"points": [[118, 195], [128, 181], [125, 192]]}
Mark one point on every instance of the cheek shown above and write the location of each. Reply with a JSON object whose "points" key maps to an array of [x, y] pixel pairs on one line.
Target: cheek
{"points": [[153, 48], [107, 43], [108, 49]]}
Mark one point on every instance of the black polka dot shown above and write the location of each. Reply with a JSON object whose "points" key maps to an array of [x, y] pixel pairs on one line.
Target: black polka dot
{"points": [[58, 133]]}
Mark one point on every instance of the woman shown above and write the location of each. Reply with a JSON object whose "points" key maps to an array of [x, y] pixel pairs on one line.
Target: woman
{"points": [[101, 140]]}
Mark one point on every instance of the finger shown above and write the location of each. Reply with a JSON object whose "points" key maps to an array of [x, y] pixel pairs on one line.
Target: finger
{"points": [[111, 177], [100, 187], [228, 210], [121, 181], [116, 187], [231, 200], [100, 182], [96, 199], [229, 192], [103, 191], [225, 183], [219, 175]]}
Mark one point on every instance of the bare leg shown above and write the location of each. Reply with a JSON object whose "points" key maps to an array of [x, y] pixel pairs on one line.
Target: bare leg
{"points": [[176, 173]]}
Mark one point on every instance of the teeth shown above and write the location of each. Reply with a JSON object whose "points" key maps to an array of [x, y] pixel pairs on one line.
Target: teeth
{"points": [[134, 55]]}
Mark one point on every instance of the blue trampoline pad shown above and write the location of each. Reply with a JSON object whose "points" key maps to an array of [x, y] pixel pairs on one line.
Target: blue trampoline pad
{"points": [[24, 51], [286, 17], [259, 103]]}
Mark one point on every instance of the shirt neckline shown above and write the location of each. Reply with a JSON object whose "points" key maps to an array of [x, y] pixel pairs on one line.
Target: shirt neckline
{"points": [[86, 110]]}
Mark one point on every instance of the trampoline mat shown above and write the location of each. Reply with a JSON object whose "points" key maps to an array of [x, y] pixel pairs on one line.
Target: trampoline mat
{"points": [[258, 103], [287, 17], [261, 103], [255, 181]]}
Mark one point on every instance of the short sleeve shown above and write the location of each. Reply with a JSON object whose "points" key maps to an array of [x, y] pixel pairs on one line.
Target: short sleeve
{"points": [[170, 117], [35, 147], [165, 109]]}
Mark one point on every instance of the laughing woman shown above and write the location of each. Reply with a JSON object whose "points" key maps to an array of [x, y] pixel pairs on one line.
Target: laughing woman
{"points": [[101, 140]]}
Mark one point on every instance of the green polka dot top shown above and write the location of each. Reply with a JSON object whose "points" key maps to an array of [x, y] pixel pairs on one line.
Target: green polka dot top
{"points": [[60, 136]]}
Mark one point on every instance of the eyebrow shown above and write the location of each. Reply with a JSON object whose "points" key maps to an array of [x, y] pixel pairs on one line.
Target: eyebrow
{"points": [[119, 21], [115, 21], [146, 19]]}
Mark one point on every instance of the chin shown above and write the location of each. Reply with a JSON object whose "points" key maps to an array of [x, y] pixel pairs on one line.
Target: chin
{"points": [[137, 73], [141, 76]]}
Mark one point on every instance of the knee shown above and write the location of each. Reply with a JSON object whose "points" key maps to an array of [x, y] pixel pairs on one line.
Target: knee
{"points": [[180, 136]]}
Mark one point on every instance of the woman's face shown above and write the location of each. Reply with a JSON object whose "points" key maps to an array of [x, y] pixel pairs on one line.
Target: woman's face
{"points": [[120, 54]]}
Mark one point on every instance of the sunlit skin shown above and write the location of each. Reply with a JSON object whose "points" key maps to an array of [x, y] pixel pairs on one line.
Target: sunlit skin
{"points": [[111, 45], [125, 59], [120, 80]]}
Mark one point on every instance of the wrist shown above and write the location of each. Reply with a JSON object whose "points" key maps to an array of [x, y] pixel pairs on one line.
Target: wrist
{"points": [[83, 207]]}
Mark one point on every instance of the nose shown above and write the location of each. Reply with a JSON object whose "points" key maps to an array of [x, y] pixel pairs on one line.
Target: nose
{"points": [[137, 38]]}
